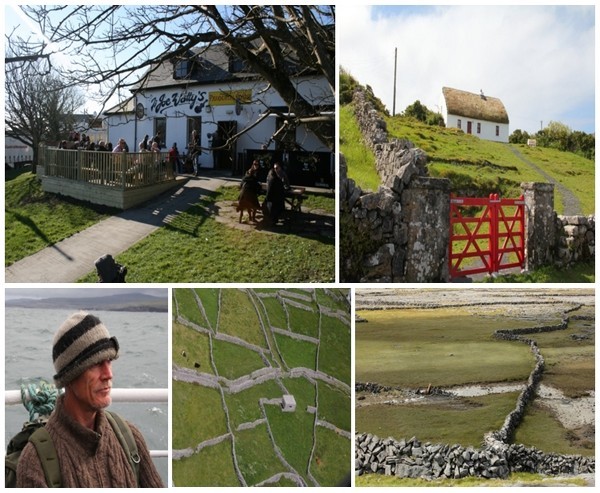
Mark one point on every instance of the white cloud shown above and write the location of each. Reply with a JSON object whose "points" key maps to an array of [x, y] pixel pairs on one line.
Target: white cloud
{"points": [[539, 60]]}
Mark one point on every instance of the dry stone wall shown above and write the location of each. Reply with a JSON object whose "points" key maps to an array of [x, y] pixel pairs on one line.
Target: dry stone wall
{"points": [[404, 225], [414, 459], [497, 458], [576, 240], [400, 232]]}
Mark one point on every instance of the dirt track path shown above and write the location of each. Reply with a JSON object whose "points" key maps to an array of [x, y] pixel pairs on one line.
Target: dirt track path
{"points": [[571, 205]]}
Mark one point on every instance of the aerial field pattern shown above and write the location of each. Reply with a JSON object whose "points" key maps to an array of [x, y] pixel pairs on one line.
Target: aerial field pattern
{"points": [[261, 387]]}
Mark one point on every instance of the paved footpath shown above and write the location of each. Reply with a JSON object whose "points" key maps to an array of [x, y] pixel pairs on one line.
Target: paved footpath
{"points": [[74, 257]]}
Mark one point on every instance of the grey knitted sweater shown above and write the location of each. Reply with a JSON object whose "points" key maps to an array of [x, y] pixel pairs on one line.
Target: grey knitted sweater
{"points": [[87, 458]]}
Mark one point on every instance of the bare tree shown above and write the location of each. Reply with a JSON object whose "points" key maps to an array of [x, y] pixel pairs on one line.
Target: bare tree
{"points": [[116, 47], [38, 107]]}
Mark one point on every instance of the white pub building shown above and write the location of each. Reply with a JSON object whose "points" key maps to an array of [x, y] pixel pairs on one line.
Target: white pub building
{"points": [[211, 91]]}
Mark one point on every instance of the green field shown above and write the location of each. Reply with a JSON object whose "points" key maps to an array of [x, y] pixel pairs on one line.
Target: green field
{"points": [[473, 165], [234, 401], [415, 348], [447, 347]]}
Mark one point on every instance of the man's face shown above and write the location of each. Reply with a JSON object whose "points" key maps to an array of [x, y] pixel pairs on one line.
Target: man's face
{"points": [[92, 388]]}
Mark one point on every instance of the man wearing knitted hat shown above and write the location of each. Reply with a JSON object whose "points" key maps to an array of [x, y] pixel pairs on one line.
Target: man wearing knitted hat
{"points": [[88, 447]]}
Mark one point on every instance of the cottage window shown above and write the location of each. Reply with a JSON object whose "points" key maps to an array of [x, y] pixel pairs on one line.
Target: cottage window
{"points": [[478, 127], [458, 124], [497, 130]]}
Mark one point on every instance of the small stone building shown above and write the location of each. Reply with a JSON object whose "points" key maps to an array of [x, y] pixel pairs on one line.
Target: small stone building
{"points": [[288, 403]]}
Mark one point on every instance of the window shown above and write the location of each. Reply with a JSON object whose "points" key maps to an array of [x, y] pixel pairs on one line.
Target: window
{"points": [[478, 127], [182, 69], [160, 131], [458, 124], [236, 65], [194, 124], [497, 130]]}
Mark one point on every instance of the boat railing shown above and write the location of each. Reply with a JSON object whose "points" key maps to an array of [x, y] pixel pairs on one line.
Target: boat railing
{"points": [[13, 397]]}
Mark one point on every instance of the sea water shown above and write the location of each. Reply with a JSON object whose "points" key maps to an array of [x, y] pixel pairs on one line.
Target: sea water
{"points": [[143, 363]]}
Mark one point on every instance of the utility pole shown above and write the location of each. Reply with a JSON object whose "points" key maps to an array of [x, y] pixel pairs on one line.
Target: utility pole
{"points": [[395, 64]]}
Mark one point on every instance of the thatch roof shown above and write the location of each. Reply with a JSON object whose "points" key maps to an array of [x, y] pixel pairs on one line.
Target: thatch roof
{"points": [[476, 106]]}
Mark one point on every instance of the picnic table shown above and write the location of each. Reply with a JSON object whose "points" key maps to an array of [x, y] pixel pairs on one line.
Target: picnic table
{"points": [[294, 196]]}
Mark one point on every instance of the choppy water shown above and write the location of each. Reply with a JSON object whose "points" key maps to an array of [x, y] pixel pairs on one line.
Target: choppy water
{"points": [[143, 363]]}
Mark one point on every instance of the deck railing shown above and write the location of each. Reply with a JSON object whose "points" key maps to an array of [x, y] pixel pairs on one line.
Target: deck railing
{"points": [[123, 170], [13, 397]]}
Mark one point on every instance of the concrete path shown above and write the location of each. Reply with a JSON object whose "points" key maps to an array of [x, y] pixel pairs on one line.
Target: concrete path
{"points": [[74, 257]]}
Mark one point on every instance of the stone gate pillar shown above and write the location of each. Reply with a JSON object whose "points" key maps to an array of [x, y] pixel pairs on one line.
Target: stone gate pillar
{"points": [[426, 213], [540, 232]]}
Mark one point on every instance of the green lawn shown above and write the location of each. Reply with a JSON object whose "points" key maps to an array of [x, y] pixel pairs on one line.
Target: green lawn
{"points": [[443, 347], [275, 312], [210, 301], [541, 430], [256, 467], [238, 317], [462, 421], [34, 219], [195, 346], [303, 321], [297, 353], [334, 406], [234, 361], [335, 350], [212, 466], [194, 247], [243, 406], [293, 432], [198, 415], [188, 307], [330, 464], [359, 158], [516, 479]]}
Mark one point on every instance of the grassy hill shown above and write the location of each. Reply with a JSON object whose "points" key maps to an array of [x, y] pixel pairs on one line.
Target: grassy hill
{"points": [[475, 167]]}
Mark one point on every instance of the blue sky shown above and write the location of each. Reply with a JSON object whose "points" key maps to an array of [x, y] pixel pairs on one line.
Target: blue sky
{"points": [[539, 60]]}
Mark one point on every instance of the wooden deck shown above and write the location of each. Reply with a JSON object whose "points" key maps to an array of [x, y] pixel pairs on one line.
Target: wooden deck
{"points": [[121, 180]]}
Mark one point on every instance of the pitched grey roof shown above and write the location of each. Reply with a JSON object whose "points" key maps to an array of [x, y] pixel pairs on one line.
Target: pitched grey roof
{"points": [[476, 106]]}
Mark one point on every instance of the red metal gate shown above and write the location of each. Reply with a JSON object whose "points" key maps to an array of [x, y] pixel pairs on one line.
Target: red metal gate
{"points": [[486, 235]]}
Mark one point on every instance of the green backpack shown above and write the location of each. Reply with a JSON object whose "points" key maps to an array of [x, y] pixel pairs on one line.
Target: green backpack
{"points": [[36, 433]]}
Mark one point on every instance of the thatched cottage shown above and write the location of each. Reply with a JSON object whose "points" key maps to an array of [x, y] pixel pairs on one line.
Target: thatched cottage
{"points": [[475, 114]]}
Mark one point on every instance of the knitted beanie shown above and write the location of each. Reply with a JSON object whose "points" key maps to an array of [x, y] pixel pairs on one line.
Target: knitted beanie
{"points": [[81, 342]]}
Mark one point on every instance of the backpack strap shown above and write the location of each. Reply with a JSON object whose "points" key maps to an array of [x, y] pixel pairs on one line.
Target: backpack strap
{"points": [[44, 446], [125, 436]]}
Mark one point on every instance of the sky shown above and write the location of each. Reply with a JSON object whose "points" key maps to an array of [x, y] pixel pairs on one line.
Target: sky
{"points": [[15, 21], [538, 60]]}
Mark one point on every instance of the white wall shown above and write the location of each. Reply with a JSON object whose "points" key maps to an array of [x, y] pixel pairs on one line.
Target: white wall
{"points": [[177, 104], [488, 129]]}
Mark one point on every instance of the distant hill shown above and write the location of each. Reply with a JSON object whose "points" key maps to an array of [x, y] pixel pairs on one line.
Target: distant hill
{"points": [[129, 302]]}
